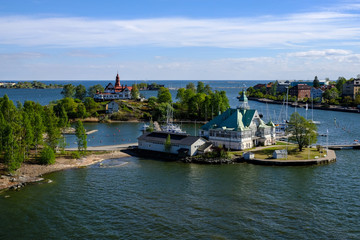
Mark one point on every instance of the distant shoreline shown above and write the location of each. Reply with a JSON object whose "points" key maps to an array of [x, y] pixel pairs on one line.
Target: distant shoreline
{"points": [[303, 105]]}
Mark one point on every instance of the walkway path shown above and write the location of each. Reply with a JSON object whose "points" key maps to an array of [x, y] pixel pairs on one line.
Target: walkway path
{"points": [[107, 148]]}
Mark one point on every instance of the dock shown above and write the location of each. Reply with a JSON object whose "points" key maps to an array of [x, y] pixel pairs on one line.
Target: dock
{"points": [[117, 147], [344, 146], [92, 131]]}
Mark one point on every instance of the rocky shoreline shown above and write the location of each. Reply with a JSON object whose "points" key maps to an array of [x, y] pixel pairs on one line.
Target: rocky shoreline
{"points": [[32, 173]]}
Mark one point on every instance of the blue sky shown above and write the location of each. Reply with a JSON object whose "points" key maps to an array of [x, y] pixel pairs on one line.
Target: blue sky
{"points": [[179, 40]]}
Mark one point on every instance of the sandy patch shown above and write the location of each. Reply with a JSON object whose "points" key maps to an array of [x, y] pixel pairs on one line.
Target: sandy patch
{"points": [[33, 172]]}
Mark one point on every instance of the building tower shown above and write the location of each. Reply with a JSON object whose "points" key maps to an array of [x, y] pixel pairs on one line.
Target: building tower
{"points": [[117, 80], [244, 104]]}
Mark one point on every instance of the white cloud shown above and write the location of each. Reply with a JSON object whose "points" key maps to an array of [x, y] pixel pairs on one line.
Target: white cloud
{"points": [[321, 53], [269, 31]]}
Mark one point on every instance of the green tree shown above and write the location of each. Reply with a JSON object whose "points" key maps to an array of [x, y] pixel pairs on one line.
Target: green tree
{"points": [[80, 92], [81, 111], [303, 131], [93, 89], [61, 113], [68, 90], [164, 95], [90, 105], [339, 83], [207, 89], [81, 137], [12, 155], [135, 93], [47, 156], [51, 128], [180, 95], [152, 101], [167, 144], [191, 86], [27, 136], [38, 129], [316, 82], [331, 94], [200, 87]]}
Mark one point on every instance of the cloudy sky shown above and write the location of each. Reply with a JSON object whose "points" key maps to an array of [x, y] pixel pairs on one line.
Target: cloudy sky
{"points": [[179, 39]]}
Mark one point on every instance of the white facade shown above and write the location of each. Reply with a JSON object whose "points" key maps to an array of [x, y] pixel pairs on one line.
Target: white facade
{"points": [[238, 130], [125, 94], [160, 147], [280, 154]]}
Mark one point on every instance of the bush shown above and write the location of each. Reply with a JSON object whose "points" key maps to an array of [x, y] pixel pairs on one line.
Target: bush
{"points": [[75, 155], [47, 156]]}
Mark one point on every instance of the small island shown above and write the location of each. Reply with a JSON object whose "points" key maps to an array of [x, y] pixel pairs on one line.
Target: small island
{"points": [[29, 85], [33, 140]]}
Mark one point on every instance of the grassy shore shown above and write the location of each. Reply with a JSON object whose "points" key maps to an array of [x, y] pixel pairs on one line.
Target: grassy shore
{"points": [[293, 153], [266, 152]]}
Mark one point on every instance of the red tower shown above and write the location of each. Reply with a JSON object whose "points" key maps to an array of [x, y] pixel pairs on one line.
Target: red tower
{"points": [[117, 82]]}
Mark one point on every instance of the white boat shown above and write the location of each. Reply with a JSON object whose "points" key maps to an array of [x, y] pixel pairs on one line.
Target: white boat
{"points": [[169, 126], [312, 114], [144, 127]]}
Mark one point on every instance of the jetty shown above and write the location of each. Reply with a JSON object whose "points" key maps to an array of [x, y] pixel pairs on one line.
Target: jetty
{"points": [[117, 147], [71, 131], [344, 146]]}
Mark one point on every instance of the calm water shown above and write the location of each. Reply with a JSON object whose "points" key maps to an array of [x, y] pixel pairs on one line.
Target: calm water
{"points": [[134, 198], [147, 199]]}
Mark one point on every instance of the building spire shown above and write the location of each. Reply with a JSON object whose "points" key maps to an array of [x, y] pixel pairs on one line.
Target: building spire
{"points": [[117, 80], [244, 104]]}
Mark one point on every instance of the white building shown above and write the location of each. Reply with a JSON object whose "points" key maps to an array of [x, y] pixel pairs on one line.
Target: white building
{"points": [[280, 154], [112, 92], [180, 143], [239, 129]]}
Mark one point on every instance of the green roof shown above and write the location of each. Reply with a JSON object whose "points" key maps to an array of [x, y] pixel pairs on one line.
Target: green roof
{"points": [[231, 119]]}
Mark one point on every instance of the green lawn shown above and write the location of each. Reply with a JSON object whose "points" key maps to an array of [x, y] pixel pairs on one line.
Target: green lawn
{"points": [[293, 153]]}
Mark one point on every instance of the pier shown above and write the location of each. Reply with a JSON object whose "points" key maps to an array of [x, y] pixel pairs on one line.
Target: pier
{"points": [[344, 146], [117, 147]]}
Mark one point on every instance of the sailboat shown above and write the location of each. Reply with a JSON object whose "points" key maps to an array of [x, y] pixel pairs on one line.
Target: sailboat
{"points": [[312, 114], [169, 126]]}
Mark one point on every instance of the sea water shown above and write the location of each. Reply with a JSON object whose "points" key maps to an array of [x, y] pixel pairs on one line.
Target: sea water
{"points": [[135, 198]]}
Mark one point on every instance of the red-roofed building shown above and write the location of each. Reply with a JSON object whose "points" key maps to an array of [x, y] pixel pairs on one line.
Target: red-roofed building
{"points": [[112, 92]]}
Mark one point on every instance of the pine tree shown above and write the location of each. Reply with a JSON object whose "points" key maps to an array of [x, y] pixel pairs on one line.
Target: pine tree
{"points": [[52, 129]]}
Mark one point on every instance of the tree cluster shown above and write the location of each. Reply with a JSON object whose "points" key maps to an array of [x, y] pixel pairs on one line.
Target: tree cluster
{"points": [[33, 84], [193, 103], [24, 128]]}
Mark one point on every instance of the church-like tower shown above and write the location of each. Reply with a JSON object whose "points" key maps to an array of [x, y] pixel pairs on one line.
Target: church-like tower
{"points": [[244, 104], [117, 81]]}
